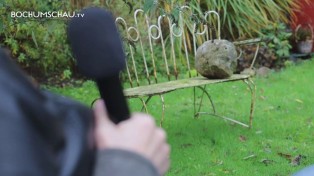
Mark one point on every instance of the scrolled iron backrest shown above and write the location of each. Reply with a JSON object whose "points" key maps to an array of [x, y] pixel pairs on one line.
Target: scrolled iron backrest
{"points": [[142, 43]]}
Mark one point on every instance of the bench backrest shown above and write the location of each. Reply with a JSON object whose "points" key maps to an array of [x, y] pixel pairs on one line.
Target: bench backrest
{"points": [[165, 46]]}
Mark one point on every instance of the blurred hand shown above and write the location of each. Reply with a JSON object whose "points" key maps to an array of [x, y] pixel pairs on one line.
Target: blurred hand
{"points": [[138, 134]]}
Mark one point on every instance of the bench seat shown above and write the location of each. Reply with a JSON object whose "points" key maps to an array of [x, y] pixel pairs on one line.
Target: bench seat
{"points": [[162, 88]]}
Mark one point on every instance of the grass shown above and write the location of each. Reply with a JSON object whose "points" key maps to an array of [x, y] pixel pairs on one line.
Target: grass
{"points": [[282, 128]]}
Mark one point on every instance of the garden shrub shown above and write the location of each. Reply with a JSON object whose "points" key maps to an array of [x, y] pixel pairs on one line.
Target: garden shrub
{"points": [[274, 51], [38, 44], [278, 39]]}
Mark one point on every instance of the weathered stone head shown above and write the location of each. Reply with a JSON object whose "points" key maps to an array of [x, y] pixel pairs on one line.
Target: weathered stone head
{"points": [[216, 59]]}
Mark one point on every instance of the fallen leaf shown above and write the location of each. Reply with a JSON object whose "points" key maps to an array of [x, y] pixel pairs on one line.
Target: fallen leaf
{"points": [[267, 161], [248, 157], [284, 155], [262, 97], [299, 101], [297, 160], [242, 138], [259, 132], [179, 134], [309, 120], [186, 145], [219, 162], [267, 150]]}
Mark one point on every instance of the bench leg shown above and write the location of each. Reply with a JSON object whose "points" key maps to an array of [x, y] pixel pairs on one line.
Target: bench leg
{"points": [[252, 87], [249, 82], [144, 106], [204, 92], [163, 109], [144, 103]]}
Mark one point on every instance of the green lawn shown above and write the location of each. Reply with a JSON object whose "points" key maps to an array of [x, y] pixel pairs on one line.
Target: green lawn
{"points": [[282, 128]]}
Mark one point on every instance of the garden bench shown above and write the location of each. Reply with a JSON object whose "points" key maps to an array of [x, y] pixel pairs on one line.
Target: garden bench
{"points": [[165, 46]]}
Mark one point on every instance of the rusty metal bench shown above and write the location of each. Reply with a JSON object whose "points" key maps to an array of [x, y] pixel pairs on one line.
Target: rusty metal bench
{"points": [[162, 40]]}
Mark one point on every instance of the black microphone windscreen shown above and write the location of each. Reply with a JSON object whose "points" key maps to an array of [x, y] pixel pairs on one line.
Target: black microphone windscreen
{"points": [[96, 44]]}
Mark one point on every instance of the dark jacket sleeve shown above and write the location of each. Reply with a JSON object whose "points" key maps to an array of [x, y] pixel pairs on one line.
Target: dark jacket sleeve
{"points": [[113, 162], [41, 134]]}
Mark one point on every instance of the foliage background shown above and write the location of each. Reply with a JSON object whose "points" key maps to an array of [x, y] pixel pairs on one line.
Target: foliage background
{"points": [[41, 47]]}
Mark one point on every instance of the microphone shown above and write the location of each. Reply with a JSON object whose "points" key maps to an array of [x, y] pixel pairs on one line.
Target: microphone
{"points": [[98, 50]]}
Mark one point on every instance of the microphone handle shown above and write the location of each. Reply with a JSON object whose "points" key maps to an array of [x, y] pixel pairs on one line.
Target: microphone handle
{"points": [[111, 92]]}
